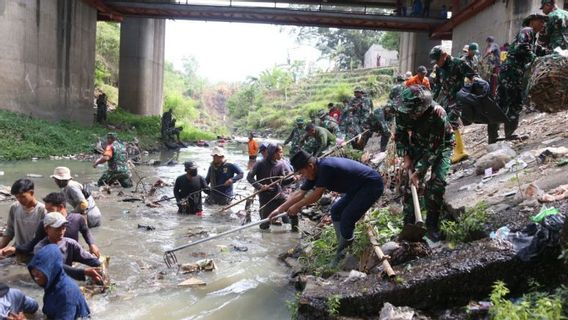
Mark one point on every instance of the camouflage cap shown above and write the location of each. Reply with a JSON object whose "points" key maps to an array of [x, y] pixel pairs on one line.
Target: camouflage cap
{"points": [[534, 16], [358, 89], [112, 135], [399, 78], [321, 113], [299, 120], [544, 2], [415, 99], [435, 54]]}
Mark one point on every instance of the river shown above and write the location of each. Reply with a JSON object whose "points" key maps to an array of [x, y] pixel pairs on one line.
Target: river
{"points": [[245, 285]]}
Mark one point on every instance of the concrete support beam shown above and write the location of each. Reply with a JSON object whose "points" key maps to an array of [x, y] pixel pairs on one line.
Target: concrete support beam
{"points": [[48, 58], [141, 69], [413, 51]]}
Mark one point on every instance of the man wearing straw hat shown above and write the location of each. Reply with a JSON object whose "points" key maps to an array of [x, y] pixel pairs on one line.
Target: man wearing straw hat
{"points": [[81, 201], [221, 176]]}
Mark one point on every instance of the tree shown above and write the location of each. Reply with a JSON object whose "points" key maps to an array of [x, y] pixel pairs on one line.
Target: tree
{"points": [[390, 40], [346, 46]]}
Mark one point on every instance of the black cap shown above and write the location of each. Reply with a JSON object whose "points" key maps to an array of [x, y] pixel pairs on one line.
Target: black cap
{"points": [[300, 160], [310, 127], [189, 165], [3, 289]]}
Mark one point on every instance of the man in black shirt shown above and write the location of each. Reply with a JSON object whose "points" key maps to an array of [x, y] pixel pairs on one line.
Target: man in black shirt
{"points": [[187, 190]]}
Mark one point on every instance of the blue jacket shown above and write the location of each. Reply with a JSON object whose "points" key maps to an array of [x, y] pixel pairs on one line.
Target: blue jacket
{"points": [[217, 175], [15, 301], [62, 297]]}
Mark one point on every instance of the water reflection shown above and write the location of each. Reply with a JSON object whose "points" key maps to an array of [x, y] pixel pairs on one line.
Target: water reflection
{"points": [[246, 285]]}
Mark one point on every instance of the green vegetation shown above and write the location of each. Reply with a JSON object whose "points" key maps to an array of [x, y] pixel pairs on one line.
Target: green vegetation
{"points": [[272, 101], [316, 259], [333, 303], [467, 226], [535, 305], [26, 137], [292, 305]]}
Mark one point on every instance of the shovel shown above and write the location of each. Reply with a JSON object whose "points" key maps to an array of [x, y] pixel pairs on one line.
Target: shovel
{"points": [[414, 232]]}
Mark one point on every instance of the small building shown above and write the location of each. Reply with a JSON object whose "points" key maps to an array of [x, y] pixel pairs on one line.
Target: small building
{"points": [[377, 56]]}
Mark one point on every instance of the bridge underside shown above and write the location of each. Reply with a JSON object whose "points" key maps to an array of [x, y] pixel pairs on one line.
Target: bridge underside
{"points": [[377, 15]]}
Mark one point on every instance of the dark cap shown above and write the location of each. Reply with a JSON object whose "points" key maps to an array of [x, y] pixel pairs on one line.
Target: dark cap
{"points": [[112, 135], [262, 147], [534, 16], [422, 69], [189, 165], [310, 126], [300, 160], [490, 39], [435, 54], [543, 2]]}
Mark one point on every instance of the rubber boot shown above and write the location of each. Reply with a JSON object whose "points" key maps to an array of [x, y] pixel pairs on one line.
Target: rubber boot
{"points": [[294, 221], [492, 133], [459, 151], [510, 128], [340, 253]]}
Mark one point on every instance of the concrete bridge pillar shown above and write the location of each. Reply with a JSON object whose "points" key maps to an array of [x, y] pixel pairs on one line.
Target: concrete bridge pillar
{"points": [[413, 51], [47, 60], [141, 68]]}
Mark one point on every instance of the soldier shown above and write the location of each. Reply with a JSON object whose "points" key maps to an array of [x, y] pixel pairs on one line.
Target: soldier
{"points": [[471, 57], [362, 105], [492, 60], [510, 91], [394, 95], [350, 123], [451, 74], [328, 122], [556, 30], [295, 137], [102, 108], [429, 146], [116, 156], [323, 138], [377, 123]]}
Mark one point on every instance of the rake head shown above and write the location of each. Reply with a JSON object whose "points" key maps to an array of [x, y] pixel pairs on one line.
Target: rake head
{"points": [[170, 259]]}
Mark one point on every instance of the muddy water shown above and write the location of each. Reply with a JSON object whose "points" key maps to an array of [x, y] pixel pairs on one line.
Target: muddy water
{"points": [[246, 285]]}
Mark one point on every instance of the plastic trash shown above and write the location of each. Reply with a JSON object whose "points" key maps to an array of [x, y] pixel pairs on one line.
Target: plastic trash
{"points": [[501, 233], [536, 238], [543, 213]]}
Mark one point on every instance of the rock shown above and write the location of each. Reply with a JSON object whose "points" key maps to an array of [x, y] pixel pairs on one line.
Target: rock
{"points": [[325, 201], [390, 312], [192, 282], [495, 159], [205, 265], [529, 192], [355, 275], [389, 247], [349, 263]]}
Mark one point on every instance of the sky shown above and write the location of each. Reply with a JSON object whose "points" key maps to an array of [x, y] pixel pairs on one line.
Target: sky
{"points": [[232, 51]]}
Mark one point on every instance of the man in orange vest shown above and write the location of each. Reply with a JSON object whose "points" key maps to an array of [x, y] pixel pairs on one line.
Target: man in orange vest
{"points": [[420, 78]]}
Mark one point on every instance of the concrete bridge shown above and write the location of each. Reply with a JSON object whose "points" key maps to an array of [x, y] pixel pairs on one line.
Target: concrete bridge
{"points": [[47, 59]]}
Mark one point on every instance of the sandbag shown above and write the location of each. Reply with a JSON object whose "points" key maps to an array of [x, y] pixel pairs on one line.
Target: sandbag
{"points": [[477, 106], [547, 86]]}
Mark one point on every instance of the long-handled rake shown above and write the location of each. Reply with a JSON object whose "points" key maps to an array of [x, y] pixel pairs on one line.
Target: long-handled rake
{"points": [[171, 260]]}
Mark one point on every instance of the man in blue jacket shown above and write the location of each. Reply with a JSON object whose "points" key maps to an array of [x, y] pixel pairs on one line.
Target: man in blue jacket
{"points": [[62, 298]]}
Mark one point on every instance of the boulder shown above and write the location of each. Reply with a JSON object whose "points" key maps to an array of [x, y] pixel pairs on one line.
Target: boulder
{"points": [[498, 156]]}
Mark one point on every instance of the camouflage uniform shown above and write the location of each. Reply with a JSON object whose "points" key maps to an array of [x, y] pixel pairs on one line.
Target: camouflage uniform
{"points": [[429, 146], [362, 106], [323, 140], [472, 62], [117, 167], [329, 123], [556, 30], [394, 95], [350, 125], [451, 79], [377, 123], [510, 89], [295, 137]]}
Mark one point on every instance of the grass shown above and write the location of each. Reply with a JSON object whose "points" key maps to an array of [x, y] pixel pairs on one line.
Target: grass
{"points": [[26, 138], [534, 305], [466, 227]]}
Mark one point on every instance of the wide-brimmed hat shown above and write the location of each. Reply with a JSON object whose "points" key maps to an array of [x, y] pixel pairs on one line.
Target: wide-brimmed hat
{"points": [[527, 20], [218, 151], [54, 220], [61, 173]]}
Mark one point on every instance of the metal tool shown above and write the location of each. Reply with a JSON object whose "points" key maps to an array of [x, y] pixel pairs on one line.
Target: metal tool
{"points": [[170, 258]]}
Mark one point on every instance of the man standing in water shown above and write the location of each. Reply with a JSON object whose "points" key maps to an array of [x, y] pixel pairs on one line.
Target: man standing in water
{"points": [[115, 154], [81, 201], [260, 177], [221, 176], [187, 190], [360, 185]]}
